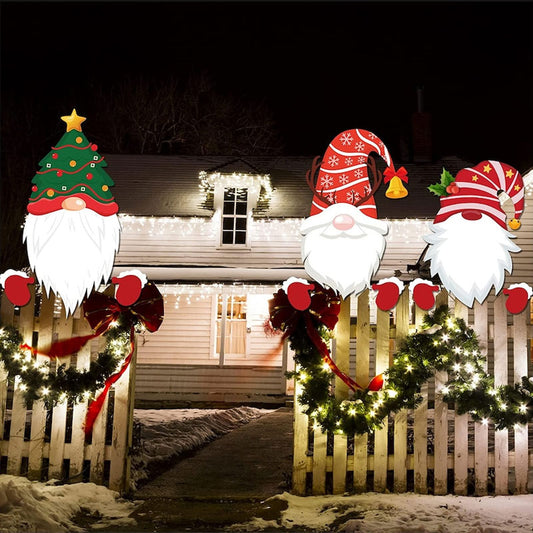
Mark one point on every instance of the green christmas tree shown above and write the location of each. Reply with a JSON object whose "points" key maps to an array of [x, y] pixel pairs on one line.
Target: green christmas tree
{"points": [[72, 174]]}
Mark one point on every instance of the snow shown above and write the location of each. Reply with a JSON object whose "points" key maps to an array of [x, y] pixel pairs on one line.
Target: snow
{"points": [[45, 507], [402, 513], [27, 506]]}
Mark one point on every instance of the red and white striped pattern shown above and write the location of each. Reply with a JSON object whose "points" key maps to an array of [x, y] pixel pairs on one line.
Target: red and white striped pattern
{"points": [[343, 174], [479, 188]]}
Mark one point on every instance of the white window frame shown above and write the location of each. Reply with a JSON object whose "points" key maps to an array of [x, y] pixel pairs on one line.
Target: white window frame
{"points": [[221, 355]]}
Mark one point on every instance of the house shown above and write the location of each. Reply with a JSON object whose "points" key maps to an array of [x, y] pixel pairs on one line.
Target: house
{"points": [[219, 235]]}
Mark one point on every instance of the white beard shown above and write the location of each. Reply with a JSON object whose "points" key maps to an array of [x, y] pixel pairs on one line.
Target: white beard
{"points": [[343, 260], [470, 256], [72, 252]]}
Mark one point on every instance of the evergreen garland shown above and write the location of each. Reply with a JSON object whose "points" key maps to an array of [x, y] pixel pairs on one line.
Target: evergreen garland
{"points": [[38, 382], [445, 343]]}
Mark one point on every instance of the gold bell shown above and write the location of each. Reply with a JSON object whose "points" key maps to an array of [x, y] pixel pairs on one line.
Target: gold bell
{"points": [[396, 189]]}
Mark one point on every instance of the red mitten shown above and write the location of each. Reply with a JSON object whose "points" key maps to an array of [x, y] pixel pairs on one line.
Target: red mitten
{"points": [[130, 284], [518, 297], [423, 293], [15, 283], [298, 293], [389, 290]]}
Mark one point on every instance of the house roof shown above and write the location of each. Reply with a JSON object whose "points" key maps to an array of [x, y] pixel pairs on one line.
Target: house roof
{"points": [[153, 185]]}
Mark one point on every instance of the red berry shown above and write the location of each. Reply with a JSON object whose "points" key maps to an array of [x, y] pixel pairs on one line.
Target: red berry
{"points": [[89, 176], [54, 156], [94, 147], [59, 173]]}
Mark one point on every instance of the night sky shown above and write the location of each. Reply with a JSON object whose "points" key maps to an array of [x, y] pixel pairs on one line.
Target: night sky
{"points": [[321, 67]]}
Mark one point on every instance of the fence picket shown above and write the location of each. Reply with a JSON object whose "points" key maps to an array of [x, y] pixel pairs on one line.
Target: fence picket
{"points": [[301, 434], [520, 431], [362, 361], [481, 431], [400, 418], [342, 360], [501, 441], [460, 447], [381, 435], [59, 413], [39, 412], [319, 462], [420, 423]]}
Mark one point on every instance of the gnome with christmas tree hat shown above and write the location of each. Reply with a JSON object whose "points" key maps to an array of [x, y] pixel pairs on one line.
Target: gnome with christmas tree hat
{"points": [[343, 240], [470, 245], [72, 231]]}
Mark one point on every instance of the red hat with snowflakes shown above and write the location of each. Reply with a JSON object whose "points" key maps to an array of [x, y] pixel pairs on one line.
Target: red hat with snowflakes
{"points": [[475, 191], [343, 173]]}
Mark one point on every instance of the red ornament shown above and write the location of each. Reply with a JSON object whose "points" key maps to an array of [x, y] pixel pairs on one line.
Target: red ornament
{"points": [[94, 147], [54, 156], [59, 173], [34, 188], [376, 383], [89, 176]]}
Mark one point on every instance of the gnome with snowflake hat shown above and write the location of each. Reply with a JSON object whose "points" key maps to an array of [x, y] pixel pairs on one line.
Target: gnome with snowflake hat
{"points": [[72, 231], [470, 245], [343, 240]]}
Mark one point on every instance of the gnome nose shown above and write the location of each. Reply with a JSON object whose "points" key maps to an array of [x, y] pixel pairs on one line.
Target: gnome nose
{"points": [[343, 222], [471, 214], [73, 203]]}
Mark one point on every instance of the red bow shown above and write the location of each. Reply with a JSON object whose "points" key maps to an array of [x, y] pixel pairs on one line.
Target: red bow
{"points": [[101, 310], [324, 308], [389, 173]]}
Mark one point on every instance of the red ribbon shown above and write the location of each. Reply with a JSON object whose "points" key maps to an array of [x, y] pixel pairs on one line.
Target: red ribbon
{"points": [[389, 173], [324, 307]]}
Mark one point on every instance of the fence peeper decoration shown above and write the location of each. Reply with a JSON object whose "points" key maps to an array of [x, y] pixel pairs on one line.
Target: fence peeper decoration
{"points": [[470, 246], [72, 231], [343, 240]]}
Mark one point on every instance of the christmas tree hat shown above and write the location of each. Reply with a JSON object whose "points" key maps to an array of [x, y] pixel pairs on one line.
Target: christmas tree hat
{"points": [[72, 174]]}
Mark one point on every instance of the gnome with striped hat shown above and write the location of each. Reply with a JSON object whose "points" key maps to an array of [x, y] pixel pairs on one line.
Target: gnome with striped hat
{"points": [[470, 245], [343, 240]]}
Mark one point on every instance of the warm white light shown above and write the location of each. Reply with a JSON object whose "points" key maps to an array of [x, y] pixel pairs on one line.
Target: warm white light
{"points": [[445, 337], [45, 391], [523, 408], [485, 421], [409, 368]]}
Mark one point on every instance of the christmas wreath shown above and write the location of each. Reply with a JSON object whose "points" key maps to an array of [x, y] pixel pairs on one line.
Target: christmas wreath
{"points": [[115, 322], [444, 343]]}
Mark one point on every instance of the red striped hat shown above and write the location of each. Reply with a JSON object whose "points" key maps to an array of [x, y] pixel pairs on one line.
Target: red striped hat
{"points": [[478, 190], [343, 174]]}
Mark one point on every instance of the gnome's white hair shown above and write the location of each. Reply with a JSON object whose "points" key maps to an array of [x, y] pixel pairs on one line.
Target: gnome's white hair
{"points": [[72, 252]]}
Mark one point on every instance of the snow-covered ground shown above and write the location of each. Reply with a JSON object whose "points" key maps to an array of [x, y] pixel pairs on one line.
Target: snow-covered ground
{"points": [[27, 506], [403, 513]]}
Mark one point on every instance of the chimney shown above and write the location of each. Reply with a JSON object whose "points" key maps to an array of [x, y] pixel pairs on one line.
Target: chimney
{"points": [[421, 131]]}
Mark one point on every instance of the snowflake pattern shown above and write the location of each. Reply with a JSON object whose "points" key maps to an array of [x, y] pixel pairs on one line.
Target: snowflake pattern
{"points": [[352, 197], [361, 159], [360, 146], [346, 138], [358, 173], [331, 197], [367, 189], [348, 161], [326, 181], [371, 135], [333, 160], [344, 179]]}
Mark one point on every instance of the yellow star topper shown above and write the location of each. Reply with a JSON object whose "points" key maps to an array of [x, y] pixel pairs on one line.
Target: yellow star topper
{"points": [[73, 121]]}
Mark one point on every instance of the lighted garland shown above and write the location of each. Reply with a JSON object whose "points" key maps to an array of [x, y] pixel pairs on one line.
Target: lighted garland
{"points": [[445, 343], [36, 380]]}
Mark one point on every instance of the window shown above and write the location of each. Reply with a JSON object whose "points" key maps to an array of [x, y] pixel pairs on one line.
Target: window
{"points": [[234, 215], [231, 326]]}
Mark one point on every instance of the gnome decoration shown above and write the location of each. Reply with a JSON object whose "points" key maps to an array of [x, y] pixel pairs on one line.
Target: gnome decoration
{"points": [[72, 231], [469, 247], [518, 296], [423, 293], [389, 290], [343, 241]]}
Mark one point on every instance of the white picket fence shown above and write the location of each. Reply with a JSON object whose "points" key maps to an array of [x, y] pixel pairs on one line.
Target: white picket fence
{"points": [[431, 449], [46, 444]]}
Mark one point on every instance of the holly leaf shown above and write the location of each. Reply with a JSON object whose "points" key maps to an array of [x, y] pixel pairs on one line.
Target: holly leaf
{"points": [[438, 189], [446, 178]]}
